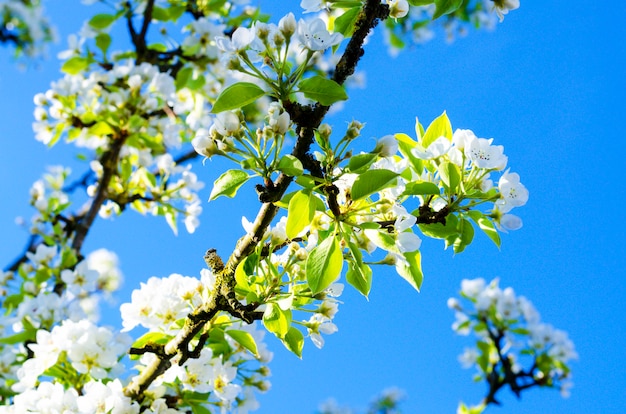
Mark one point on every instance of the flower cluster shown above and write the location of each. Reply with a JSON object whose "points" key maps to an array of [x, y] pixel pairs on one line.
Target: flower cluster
{"points": [[91, 351], [512, 341], [94, 397], [24, 24], [417, 25], [128, 104], [223, 371]]}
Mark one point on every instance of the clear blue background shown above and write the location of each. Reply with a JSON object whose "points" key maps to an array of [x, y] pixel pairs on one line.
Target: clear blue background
{"points": [[550, 85]]}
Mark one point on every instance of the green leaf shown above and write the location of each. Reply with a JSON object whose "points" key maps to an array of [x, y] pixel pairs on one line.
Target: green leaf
{"points": [[241, 276], [228, 183], [486, 225], [450, 174], [102, 21], [344, 24], [175, 12], [160, 14], [440, 231], [199, 409], [382, 239], [361, 162], [360, 277], [290, 165], [421, 188], [101, 128], [421, 2], [182, 77], [294, 341], [75, 65], [405, 145], [411, 271], [103, 41], [277, 320], [324, 265], [322, 90], [151, 337], [244, 339], [372, 181], [237, 95], [464, 237], [19, 337], [446, 7], [440, 127], [299, 213]]}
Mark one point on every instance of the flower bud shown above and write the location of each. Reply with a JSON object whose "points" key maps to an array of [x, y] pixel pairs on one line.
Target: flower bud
{"points": [[287, 25], [386, 146], [354, 129]]}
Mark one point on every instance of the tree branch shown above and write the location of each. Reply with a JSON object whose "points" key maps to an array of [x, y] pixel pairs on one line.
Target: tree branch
{"points": [[306, 119]]}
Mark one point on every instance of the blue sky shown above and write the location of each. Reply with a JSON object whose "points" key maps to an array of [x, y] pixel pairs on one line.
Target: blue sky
{"points": [[548, 84]]}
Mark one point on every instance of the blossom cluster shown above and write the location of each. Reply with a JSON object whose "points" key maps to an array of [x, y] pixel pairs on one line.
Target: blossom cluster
{"points": [[33, 308], [128, 103], [226, 371], [25, 24], [417, 26], [510, 335]]}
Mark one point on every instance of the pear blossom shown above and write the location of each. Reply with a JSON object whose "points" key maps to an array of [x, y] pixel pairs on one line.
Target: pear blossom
{"points": [[510, 222], [513, 192], [227, 123], [386, 146], [408, 241], [279, 119], [315, 36], [484, 155], [288, 25], [500, 312], [240, 40], [312, 6], [204, 144], [502, 7], [317, 325], [436, 149], [398, 8]]}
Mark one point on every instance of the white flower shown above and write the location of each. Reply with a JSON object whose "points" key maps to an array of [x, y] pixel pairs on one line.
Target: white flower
{"points": [[312, 6], [398, 8], [468, 357], [43, 254], [204, 144], [241, 39], [471, 288], [192, 211], [288, 25], [502, 7], [386, 146], [484, 155], [279, 119], [513, 193], [436, 149], [314, 35], [227, 123], [317, 325], [81, 279], [408, 242], [510, 222]]}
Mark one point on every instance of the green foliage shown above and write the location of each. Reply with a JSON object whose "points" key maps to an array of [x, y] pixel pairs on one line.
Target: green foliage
{"points": [[300, 213], [446, 7], [372, 181], [324, 264], [228, 183], [236, 96], [322, 90]]}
